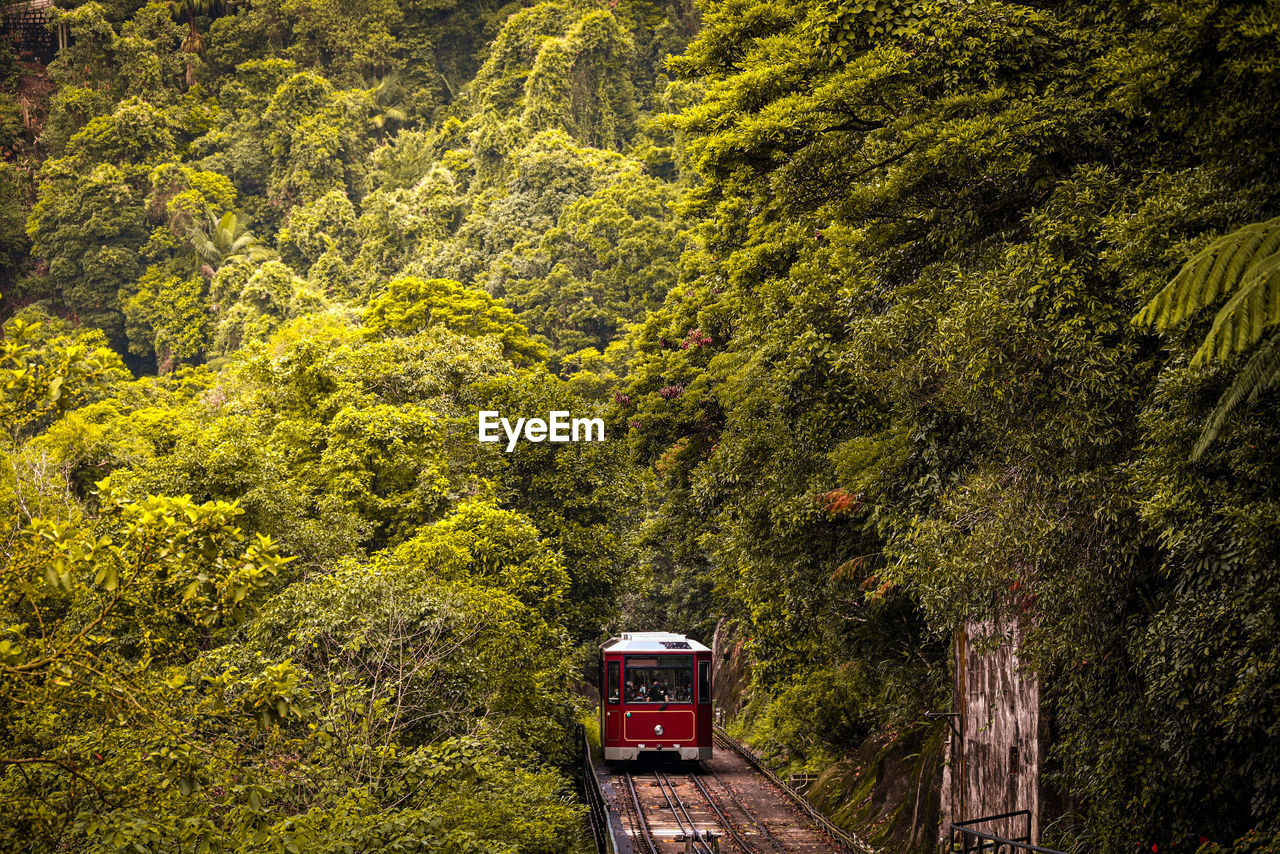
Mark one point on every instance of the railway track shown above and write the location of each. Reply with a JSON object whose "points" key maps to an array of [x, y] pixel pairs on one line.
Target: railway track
{"points": [[840, 839], [721, 807], [635, 814], [745, 823], [661, 822], [729, 826]]}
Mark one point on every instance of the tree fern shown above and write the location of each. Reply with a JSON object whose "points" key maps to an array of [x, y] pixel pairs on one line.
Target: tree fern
{"points": [[1241, 321], [1259, 373], [1245, 267], [1212, 272]]}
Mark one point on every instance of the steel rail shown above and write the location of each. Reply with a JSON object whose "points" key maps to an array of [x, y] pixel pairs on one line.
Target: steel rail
{"points": [[642, 823], [674, 800], [838, 835], [722, 816], [750, 814]]}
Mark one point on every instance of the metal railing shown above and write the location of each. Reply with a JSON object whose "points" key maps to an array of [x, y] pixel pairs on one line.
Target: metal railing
{"points": [[607, 839], [801, 782], [965, 838]]}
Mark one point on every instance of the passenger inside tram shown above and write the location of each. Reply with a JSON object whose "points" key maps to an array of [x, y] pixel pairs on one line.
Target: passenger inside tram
{"points": [[649, 683]]}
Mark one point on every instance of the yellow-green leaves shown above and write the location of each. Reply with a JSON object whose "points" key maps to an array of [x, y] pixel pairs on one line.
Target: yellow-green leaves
{"points": [[412, 304], [41, 378], [1243, 265]]}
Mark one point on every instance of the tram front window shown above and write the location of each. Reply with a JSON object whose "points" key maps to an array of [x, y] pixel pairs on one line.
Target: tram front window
{"points": [[659, 679]]}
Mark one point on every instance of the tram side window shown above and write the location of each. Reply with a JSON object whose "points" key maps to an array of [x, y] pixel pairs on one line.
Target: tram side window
{"points": [[615, 682], [704, 681], [663, 679]]}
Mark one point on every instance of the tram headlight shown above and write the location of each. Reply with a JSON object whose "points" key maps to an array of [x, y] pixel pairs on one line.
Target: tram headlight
{"points": [[657, 730]]}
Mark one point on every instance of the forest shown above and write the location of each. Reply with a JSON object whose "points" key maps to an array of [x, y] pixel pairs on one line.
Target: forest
{"points": [[901, 315]]}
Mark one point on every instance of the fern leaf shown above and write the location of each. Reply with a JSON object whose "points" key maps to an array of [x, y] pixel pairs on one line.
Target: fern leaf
{"points": [[1260, 373], [1217, 269], [1243, 319]]}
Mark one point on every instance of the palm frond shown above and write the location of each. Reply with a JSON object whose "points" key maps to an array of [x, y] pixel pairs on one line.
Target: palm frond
{"points": [[241, 243], [206, 250], [226, 239], [226, 229], [1216, 270], [1260, 373]]}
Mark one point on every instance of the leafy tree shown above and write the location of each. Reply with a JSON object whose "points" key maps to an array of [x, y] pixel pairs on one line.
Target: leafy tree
{"points": [[43, 376], [259, 300], [609, 260], [411, 305], [545, 174], [342, 40], [388, 97], [181, 197], [88, 228], [600, 113], [226, 711], [325, 226], [101, 68], [581, 495], [167, 316], [306, 132], [14, 246], [401, 226]]}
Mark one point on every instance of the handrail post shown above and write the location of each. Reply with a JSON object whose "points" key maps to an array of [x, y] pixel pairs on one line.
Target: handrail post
{"points": [[980, 842]]}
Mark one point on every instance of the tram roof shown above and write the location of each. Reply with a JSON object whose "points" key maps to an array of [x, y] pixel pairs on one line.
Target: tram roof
{"points": [[652, 642]]}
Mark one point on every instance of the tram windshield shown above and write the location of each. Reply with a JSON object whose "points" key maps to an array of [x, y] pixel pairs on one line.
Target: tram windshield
{"points": [[659, 679]]}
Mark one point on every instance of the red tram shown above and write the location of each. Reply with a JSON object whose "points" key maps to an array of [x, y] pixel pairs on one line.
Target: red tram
{"points": [[655, 696]]}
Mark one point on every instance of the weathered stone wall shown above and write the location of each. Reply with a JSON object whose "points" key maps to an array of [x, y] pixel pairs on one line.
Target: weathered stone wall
{"points": [[26, 26], [995, 747], [730, 672]]}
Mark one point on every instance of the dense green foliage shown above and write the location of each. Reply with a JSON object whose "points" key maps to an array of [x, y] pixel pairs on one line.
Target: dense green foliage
{"points": [[879, 299], [901, 361]]}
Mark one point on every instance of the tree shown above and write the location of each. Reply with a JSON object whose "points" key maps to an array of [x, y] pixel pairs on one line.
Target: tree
{"points": [[411, 304], [43, 376], [14, 246], [171, 634], [252, 301], [610, 259], [341, 40], [325, 226], [88, 228], [193, 42], [388, 97], [168, 317], [224, 239]]}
